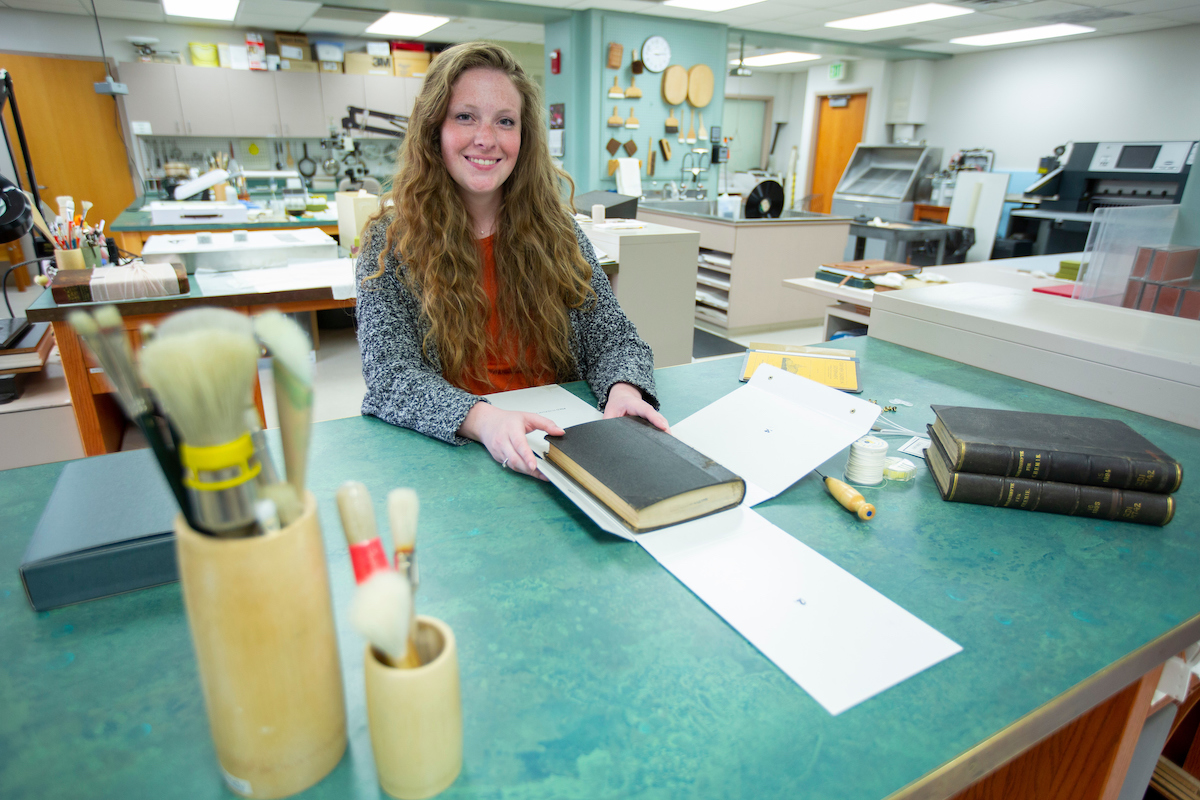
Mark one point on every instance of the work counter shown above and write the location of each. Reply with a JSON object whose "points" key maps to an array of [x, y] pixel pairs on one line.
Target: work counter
{"points": [[133, 226], [761, 253], [588, 671]]}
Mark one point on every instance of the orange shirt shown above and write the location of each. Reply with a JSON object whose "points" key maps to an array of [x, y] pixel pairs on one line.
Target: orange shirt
{"points": [[501, 366]]}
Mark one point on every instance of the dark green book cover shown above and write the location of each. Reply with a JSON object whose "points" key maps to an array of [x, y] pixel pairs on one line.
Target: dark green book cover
{"points": [[1047, 496], [1053, 447], [842, 280], [108, 528], [634, 467]]}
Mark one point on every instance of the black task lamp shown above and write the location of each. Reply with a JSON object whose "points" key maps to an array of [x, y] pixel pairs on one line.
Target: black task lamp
{"points": [[16, 220]]}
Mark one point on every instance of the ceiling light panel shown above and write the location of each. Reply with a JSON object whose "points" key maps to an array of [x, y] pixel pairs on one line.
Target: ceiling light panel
{"points": [[224, 10], [713, 6], [394, 23], [912, 15], [1023, 35], [775, 59]]}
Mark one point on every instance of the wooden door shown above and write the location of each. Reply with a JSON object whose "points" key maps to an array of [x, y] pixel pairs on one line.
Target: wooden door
{"points": [[204, 97], [254, 103], [74, 134], [300, 111], [153, 97], [838, 130]]}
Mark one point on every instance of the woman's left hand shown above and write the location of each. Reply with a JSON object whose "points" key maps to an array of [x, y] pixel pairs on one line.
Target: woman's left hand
{"points": [[625, 400]]}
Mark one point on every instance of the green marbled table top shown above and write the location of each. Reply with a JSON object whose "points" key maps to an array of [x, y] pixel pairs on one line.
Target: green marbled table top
{"points": [[588, 671]]}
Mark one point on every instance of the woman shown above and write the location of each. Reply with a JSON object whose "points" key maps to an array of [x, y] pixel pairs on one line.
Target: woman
{"points": [[478, 280]]}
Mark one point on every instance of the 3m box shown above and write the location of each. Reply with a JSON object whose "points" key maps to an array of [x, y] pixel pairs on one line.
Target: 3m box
{"points": [[408, 64], [292, 46], [367, 64]]}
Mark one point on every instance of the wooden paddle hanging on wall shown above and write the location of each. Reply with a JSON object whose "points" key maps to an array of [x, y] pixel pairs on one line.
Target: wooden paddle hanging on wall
{"points": [[700, 85], [675, 85]]}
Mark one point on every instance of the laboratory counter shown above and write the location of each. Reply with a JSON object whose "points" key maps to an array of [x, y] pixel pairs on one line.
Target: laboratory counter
{"points": [[133, 226], [588, 671]]}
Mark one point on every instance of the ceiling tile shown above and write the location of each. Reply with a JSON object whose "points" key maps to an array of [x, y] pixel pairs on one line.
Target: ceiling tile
{"points": [[1153, 6], [289, 9], [1134, 24], [1035, 11], [54, 6], [1181, 14], [130, 9]]}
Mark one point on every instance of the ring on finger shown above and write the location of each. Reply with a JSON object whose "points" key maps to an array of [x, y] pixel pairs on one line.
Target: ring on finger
{"points": [[504, 464]]}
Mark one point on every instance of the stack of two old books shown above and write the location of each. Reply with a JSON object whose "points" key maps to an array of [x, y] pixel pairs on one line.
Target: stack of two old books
{"points": [[1050, 462]]}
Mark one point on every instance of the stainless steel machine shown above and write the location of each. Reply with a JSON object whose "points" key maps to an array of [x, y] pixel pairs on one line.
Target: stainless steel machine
{"points": [[1093, 175], [886, 180]]}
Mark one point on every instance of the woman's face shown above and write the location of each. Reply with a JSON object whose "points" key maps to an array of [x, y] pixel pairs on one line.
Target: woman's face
{"points": [[481, 135]]}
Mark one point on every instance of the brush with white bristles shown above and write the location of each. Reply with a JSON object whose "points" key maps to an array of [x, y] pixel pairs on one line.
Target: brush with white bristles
{"points": [[289, 347], [403, 509], [382, 612], [203, 378]]}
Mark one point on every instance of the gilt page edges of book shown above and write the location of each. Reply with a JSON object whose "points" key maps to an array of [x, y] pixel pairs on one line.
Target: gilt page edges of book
{"points": [[752, 573]]}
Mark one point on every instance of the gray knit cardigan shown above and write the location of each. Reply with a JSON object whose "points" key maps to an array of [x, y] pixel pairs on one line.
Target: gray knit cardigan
{"points": [[407, 389]]}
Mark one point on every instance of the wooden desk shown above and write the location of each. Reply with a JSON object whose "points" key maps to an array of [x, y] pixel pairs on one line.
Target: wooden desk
{"points": [[589, 671], [97, 415], [133, 227]]}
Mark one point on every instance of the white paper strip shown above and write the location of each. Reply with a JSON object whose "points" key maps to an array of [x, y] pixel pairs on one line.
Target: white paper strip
{"points": [[818, 623]]}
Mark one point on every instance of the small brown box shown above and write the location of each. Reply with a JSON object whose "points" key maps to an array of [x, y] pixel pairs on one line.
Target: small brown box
{"points": [[1133, 293], [292, 46], [367, 64], [409, 63], [1173, 262], [1141, 264], [330, 66], [287, 65], [1190, 306], [1168, 300], [1149, 295]]}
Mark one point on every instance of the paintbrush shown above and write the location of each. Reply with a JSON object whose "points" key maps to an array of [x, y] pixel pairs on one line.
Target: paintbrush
{"points": [[358, 525], [403, 509], [203, 378], [289, 347], [382, 613], [110, 347]]}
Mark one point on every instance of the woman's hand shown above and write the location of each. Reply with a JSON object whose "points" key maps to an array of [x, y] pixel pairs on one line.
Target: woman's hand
{"points": [[503, 434], [625, 400]]}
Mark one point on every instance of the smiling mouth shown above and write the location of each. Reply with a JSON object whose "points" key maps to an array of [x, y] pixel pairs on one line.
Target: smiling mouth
{"points": [[483, 162]]}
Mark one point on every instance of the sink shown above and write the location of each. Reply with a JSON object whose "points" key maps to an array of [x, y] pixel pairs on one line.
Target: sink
{"points": [[708, 208]]}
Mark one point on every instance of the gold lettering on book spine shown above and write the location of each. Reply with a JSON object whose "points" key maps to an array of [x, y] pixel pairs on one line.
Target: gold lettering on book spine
{"points": [[1020, 462], [1132, 511]]}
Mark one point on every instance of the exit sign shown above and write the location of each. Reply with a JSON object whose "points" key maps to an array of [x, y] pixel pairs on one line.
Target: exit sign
{"points": [[837, 71]]}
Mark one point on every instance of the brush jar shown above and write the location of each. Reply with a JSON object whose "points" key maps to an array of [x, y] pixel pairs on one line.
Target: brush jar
{"points": [[261, 619], [69, 259], [416, 716]]}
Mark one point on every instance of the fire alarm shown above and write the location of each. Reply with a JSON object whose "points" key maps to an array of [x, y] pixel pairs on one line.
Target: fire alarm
{"points": [[555, 62]]}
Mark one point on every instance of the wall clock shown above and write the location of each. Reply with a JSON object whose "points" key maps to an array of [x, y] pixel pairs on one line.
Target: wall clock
{"points": [[656, 53]]}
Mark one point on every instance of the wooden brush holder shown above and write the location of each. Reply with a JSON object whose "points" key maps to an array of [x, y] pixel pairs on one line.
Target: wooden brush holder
{"points": [[262, 626], [416, 716]]}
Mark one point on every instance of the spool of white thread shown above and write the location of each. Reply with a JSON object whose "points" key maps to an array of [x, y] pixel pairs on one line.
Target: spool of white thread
{"points": [[597, 214], [865, 465]]}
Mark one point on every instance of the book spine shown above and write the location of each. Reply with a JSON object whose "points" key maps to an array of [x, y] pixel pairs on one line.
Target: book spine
{"points": [[1113, 472], [77, 293], [1061, 498]]}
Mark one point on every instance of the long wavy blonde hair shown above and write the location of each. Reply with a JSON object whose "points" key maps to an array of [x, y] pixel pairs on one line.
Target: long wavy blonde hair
{"points": [[540, 271]]}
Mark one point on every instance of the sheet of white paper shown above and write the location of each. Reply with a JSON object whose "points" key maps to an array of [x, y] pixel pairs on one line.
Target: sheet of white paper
{"points": [[776, 429], [585, 501], [551, 401], [915, 446], [337, 274], [818, 623]]}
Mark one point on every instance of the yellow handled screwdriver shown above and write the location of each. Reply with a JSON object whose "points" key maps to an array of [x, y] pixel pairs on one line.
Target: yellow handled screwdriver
{"points": [[850, 498]]}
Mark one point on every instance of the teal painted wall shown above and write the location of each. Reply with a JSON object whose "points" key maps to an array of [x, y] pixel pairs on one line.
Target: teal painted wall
{"points": [[585, 81]]}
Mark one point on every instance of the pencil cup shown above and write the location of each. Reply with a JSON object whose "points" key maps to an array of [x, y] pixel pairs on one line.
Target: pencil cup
{"points": [[69, 259], [91, 255], [416, 716], [262, 627]]}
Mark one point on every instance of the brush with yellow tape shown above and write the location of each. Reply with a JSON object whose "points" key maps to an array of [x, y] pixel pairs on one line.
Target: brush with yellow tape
{"points": [[202, 369]]}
